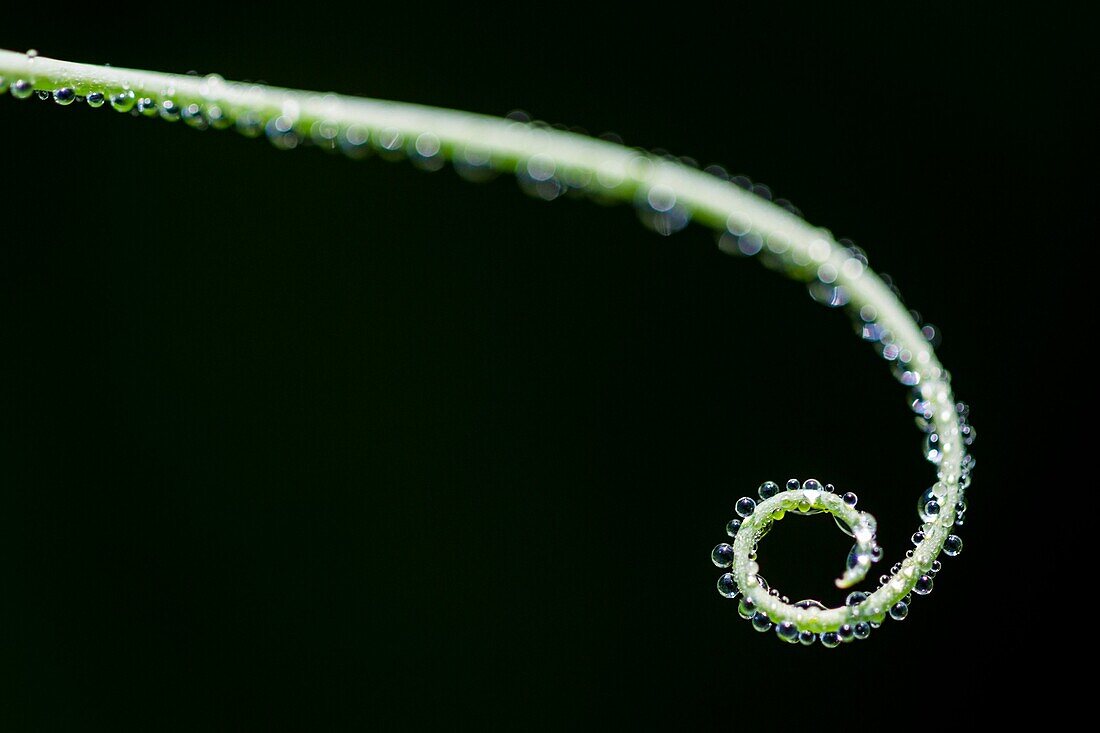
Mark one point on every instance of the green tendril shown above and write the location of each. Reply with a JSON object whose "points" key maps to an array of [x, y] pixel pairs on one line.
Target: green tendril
{"points": [[668, 194]]}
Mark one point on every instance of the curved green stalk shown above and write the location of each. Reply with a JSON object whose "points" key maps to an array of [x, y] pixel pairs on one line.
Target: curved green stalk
{"points": [[670, 193]]}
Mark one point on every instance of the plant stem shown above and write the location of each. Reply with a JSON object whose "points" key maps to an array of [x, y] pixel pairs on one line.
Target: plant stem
{"points": [[609, 171]]}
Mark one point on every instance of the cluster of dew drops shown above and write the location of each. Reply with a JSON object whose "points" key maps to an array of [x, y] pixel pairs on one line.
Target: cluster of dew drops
{"points": [[283, 130], [929, 504], [723, 555], [928, 509], [740, 239], [538, 176]]}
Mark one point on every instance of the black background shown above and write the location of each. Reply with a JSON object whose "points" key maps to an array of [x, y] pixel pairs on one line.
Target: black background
{"points": [[294, 441]]}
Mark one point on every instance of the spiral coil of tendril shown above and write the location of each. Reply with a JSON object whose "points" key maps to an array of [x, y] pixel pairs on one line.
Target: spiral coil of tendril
{"points": [[668, 193]]}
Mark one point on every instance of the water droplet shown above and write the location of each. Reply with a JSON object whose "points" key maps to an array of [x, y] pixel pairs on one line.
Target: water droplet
{"points": [[928, 505], [761, 622], [862, 630], [830, 639], [280, 132], [324, 134], [854, 267], [849, 498], [727, 586], [846, 632], [745, 506], [923, 408], [807, 504], [659, 210], [931, 334], [953, 545], [722, 555], [474, 164], [732, 526], [806, 638], [123, 101], [934, 568], [391, 143], [873, 332], [738, 224], [787, 631], [212, 85], [146, 106], [828, 273], [812, 484], [717, 171], [908, 377], [748, 244], [793, 484], [923, 586], [64, 96], [545, 190], [22, 89], [32, 53], [192, 116], [353, 141], [855, 598], [762, 190], [249, 124], [746, 609], [42, 94], [661, 198], [768, 489], [95, 100], [917, 538], [933, 448], [899, 610], [216, 117], [426, 153], [169, 110], [832, 296]]}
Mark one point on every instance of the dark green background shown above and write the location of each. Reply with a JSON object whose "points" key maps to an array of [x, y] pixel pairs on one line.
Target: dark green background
{"points": [[292, 441]]}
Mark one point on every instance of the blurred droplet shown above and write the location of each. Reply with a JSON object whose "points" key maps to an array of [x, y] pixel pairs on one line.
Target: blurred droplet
{"points": [[281, 133], [146, 106], [169, 110], [427, 152], [832, 296], [249, 124], [192, 116]]}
